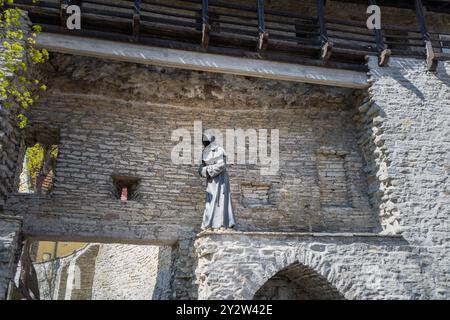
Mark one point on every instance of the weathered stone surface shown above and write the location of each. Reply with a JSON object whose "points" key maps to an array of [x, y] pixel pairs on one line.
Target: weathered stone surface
{"points": [[117, 119], [350, 162], [108, 272], [237, 265], [10, 230], [132, 272], [10, 135], [9, 152], [409, 149], [405, 145]]}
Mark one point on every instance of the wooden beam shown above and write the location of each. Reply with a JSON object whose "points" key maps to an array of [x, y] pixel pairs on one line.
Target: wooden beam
{"points": [[206, 27], [136, 18], [326, 45], [432, 62], [200, 61], [263, 36], [383, 52], [355, 63]]}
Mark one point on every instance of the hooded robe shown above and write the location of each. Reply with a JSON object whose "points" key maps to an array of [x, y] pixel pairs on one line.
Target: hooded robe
{"points": [[218, 211]]}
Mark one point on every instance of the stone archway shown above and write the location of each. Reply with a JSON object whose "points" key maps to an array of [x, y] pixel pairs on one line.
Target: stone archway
{"points": [[297, 282], [249, 264]]}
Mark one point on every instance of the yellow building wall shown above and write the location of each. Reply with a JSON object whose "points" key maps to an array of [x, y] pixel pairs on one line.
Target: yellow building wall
{"points": [[56, 249]]}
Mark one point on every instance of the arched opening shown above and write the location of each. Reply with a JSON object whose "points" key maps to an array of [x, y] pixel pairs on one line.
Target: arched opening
{"points": [[297, 282], [50, 270]]}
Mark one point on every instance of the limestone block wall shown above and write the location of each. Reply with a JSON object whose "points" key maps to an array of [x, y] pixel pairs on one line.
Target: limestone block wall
{"points": [[10, 231], [132, 272], [409, 134], [297, 282], [118, 119], [108, 272], [236, 266], [9, 152], [404, 134], [10, 135], [184, 260], [10, 227]]}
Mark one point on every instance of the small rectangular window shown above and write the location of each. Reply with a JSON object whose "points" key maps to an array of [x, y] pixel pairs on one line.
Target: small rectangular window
{"points": [[38, 169], [125, 188], [39, 159]]}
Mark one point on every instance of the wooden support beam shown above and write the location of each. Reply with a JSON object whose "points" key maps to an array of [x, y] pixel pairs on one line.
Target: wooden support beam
{"points": [[263, 36], [432, 62], [206, 27], [326, 44], [136, 18], [383, 52], [219, 63]]}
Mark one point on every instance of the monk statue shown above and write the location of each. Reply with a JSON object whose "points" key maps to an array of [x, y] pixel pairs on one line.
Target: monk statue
{"points": [[218, 212]]}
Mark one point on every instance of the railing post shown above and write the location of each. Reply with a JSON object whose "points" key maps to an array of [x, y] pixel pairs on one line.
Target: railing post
{"points": [[136, 18], [431, 61], [263, 36], [206, 27], [383, 52], [326, 45]]}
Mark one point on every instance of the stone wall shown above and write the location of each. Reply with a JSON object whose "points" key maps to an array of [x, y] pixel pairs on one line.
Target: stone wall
{"points": [[404, 128], [10, 134], [118, 118], [297, 282], [132, 272], [184, 260], [237, 265], [350, 162], [108, 272], [408, 122], [9, 151], [10, 231]]}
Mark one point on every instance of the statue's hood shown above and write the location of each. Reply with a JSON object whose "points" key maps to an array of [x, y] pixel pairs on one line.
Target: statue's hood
{"points": [[212, 147]]}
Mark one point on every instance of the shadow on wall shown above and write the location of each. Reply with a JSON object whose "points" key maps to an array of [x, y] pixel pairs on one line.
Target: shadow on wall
{"points": [[402, 66], [443, 73], [297, 282]]}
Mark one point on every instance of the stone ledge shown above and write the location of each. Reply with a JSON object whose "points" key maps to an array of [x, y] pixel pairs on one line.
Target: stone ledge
{"points": [[322, 235], [11, 218]]}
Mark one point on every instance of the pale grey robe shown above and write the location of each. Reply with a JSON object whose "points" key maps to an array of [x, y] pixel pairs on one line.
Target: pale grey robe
{"points": [[218, 211]]}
